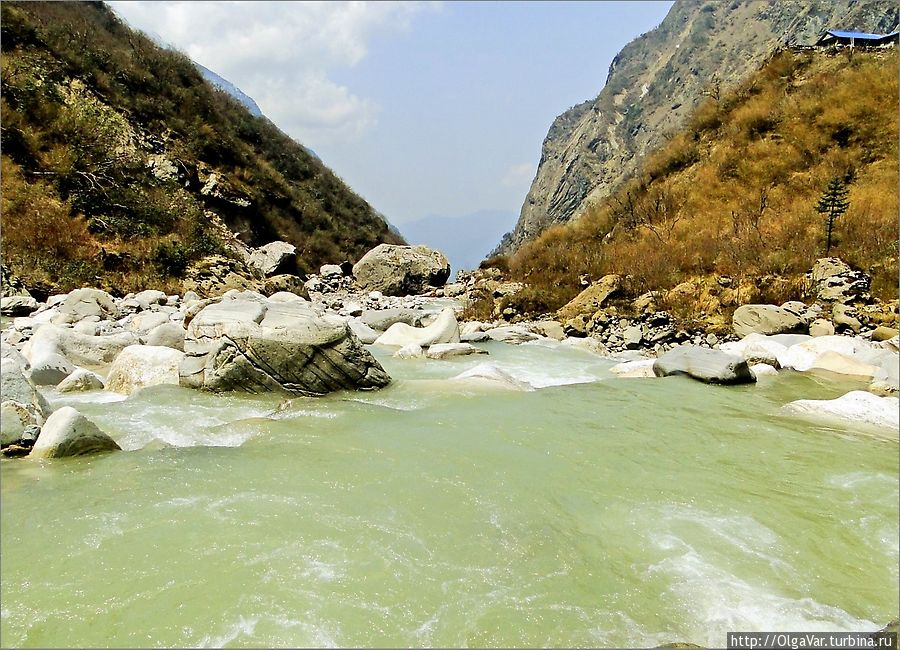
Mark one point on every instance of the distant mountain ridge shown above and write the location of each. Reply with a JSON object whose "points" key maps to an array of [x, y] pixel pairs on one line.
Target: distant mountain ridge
{"points": [[657, 80], [221, 82], [465, 240]]}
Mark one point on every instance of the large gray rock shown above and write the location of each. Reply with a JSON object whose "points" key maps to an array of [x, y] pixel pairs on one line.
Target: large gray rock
{"points": [[15, 418], [68, 433], [138, 366], [81, 349], [17, 305], [765, 319], [832, 280], [710, 366], [170, 335], [50, 369], [382, 319], [401, 270], [252, 345], [81, 303], [16, 386], [274, 258]]}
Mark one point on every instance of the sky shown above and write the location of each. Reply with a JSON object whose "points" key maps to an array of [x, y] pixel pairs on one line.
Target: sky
{"points": [[424, 109]]}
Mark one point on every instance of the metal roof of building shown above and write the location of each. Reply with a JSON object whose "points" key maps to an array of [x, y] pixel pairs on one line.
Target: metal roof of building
{"points": [[863, 36]]}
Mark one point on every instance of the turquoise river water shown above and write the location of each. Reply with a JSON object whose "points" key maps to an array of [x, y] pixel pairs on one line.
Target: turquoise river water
{"points": [[591, 511]]}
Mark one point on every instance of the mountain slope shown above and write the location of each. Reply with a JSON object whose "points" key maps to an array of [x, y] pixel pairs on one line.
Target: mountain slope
{"points": [[656, 81], [731, 200], [121, 163]]}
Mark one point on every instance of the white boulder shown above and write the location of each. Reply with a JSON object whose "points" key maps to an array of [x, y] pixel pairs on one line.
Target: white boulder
{"points": [[444, 329], [856, 407], [68, 433], [138, 366]]}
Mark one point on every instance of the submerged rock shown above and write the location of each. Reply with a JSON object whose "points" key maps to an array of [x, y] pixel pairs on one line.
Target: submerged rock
{"points": [[709, 366], [68, 433], [447, 350], [631, 369], [856, 407], [487, 374], [248, 343]]}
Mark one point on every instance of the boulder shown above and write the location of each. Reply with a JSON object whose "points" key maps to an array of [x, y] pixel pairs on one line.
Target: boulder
{"points": [[447, 350], [138, 366], [551, 329], [331, 272], [245, 344], [151, 297], [763, 370], [639, 368], [709, 366], [80, 380], [633, 336], [803, 355], [831, 280], [843, 365], [17, 305], [213, 275], [490, 376], [169, 335], [586, 344], [16, 386], [68, 433], [49, 369], [382, 319], [81, 303], [81, 349], [285, 283], [765, 319], [512, 334], [856, 407], [591, 299], [401, 270], [363, 332], [444, 329], [410, 351], [274, 258], [821, 327], [474, 337], [143, 323], [756, 348], [882, 333], [887, 379], [845, 317], [15, 418]]}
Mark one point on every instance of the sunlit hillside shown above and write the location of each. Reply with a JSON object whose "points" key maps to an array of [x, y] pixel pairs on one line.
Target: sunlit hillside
{"points": [[735, 192]]}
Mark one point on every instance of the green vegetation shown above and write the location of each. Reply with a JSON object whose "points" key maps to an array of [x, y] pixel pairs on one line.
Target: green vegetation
{"points": [[109, 144], [832, 205], [731, 194]]}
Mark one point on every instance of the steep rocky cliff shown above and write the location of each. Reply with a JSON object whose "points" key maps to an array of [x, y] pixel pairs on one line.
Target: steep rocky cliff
{"points": [[701, 48]]}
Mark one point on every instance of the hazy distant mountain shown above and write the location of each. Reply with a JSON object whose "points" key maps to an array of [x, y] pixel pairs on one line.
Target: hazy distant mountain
{"points": [[221, 82], [465, 240]]}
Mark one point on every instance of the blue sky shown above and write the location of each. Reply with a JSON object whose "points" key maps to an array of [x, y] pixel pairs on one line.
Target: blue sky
{"points": [[423, 108]]}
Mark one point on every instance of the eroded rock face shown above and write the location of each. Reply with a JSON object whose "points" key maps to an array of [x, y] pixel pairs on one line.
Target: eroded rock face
{"points": [[68, 433], [248, 343], [709, 366], [401, 270]]}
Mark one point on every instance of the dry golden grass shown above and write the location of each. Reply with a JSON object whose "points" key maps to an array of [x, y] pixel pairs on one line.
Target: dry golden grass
{"points": [[734, 193]]}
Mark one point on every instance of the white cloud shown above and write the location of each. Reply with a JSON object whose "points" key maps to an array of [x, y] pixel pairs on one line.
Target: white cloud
{"points": [[519, 176], [282, 53]]}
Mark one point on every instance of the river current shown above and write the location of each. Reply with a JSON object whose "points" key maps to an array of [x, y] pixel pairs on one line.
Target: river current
{"points": [[593, 510]]}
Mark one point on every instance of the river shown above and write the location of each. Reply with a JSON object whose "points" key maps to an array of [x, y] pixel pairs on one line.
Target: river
{"points": [[593, 510]]}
